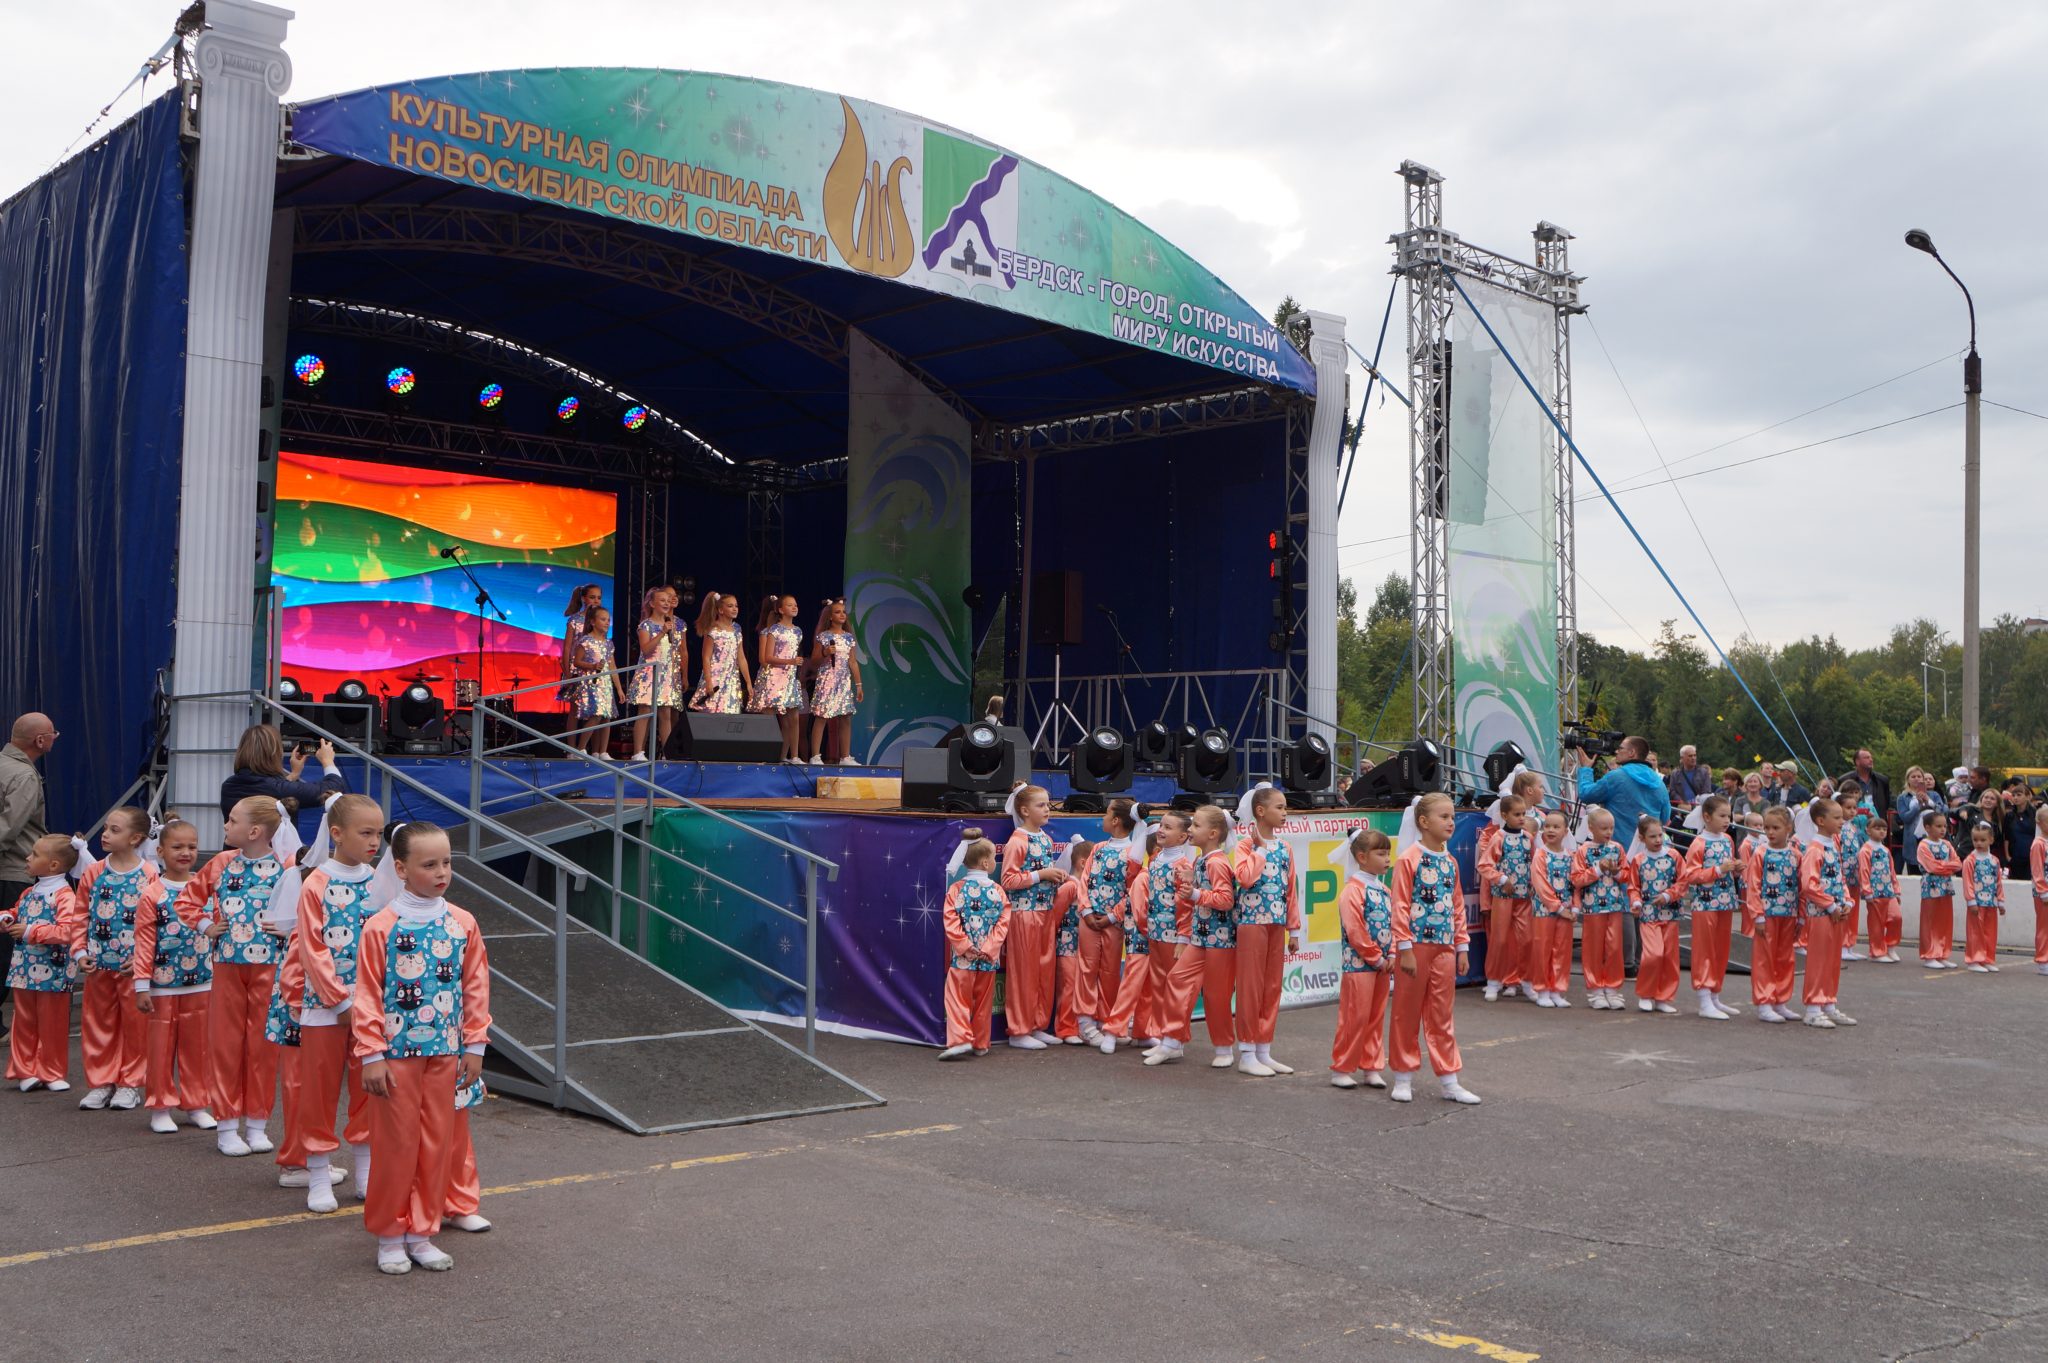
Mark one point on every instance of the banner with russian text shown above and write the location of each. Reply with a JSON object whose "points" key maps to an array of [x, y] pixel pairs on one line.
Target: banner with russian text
{"points": [[811, 176], [908, 555]]}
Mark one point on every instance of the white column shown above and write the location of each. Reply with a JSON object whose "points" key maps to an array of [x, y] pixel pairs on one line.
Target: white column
{"points": [[242, 70], [1325, 440]]}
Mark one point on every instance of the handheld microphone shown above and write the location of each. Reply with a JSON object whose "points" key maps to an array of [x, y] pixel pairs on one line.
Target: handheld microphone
{"points": [[451, 551], [1104, 608]]}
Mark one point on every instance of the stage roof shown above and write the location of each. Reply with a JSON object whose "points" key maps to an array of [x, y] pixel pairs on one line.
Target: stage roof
{"points": [[704, 242]]}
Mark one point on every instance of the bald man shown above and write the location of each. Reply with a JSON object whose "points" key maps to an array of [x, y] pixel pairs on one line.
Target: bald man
{"points": [[21, 812]]}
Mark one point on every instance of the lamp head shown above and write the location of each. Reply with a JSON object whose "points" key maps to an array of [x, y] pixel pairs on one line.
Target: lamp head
{"points": [[1920, 241]]}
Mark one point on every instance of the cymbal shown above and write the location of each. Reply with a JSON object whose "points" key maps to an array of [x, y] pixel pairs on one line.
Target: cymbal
{"points": [[422, 676]]}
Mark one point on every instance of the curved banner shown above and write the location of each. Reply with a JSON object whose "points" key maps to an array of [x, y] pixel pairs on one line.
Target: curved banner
{"points": [[812, 177], [908, 484]]}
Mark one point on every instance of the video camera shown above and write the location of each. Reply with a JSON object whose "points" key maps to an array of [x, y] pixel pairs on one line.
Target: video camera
{"points": [[1596, 742]]}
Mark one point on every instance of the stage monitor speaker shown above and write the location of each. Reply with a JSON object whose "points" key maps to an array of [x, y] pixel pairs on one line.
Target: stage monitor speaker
{"points": [[1020, 747], [726, 738], [924, 778], [1056, 609]]}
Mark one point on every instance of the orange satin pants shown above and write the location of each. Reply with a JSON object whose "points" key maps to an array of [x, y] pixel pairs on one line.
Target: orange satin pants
{"points": [[325, 1057], [39, 1045], [112, 1032], [1980, 937], [244, 1080], [1886, 926], [1423, 1007], [1551, 952], [1209, 973], [1028, 971], [1600, 950], [2040, 932], [1508, 934], [1823, 982], [412, 1150], [970, 997], [1102, 963], [1361, 1042], [466, 1190], [1133, 1013], [1771, 960], [1937, 927], [1845, 933], [178, 1070], [1657, 967], [1712, 931], [1261, 965], [1066, 1019]]}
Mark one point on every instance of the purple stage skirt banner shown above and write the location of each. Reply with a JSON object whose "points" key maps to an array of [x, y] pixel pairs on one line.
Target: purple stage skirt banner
{"points": [[881, 932]]}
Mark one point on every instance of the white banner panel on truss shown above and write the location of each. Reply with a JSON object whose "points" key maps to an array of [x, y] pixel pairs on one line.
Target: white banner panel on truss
{"points": [[1502, 527]]}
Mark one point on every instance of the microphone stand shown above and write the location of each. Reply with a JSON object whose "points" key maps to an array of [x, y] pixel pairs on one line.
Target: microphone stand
{"points": [[483, 598], [1124, 652]]}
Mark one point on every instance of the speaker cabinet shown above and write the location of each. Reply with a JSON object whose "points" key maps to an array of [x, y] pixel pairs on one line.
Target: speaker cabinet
{"points": [[1056, 609], [726, 738]]}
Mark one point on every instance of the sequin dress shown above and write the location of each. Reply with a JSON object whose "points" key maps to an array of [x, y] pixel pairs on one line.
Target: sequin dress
{"points": [[594, 693], [667, 660], [832, 694], [718, 690], [777, 690]]}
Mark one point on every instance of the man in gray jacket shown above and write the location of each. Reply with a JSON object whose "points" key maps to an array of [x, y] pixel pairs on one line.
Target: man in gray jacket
{"points": [[21, 812]]}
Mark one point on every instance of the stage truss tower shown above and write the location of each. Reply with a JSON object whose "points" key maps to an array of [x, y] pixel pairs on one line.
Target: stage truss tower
{"points": [[1427, 255]]}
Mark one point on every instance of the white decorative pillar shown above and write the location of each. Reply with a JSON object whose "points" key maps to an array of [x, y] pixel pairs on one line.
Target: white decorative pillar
{"points": [[242, 71], [1325, 447]]}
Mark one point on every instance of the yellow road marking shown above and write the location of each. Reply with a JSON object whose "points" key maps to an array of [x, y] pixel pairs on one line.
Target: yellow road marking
{"points": [[1472, 1344], [1502, 1040], [531, 1185]]}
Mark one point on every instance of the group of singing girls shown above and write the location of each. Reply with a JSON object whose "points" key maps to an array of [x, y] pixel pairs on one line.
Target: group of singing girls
{"points": [[725, 683], [201, 985], [1128, 932]]}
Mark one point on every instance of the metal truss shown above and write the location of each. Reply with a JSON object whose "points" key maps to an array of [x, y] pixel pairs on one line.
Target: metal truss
{"points": [[492, 448], [764, 545], [1292, 683], [1553, 258], [1419, 259], [1238, 406]]}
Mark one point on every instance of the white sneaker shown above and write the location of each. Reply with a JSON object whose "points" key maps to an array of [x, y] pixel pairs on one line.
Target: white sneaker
{"points": [[469, 1221], [1106, 1044], [1730, 1009], [1816, 1018], [1992, 968], [300, 1177], [1164, 1055], [1045, 1038], [1560, 1001], [1375, 1080], [320, 1197], [1544, 1001], [60, 1086], [955, 1052], [1708, 1009], [1091, 1031], [96, 1098], [1074, 1040], [1339, 1080], [1766, 1013], [29, 1085], [428, 1256], [1598, 999], [1645, 1006], [204, 1119], [1249, 1064], [162, 1122], [230, 1142], [2041, 969], [1027, 1042], [1225, 1058], [1930, 963], [1839, 1018], [637, 757], [392, 1259], [849, 762], [1529, 992], [1854, 955], [1455, 1092], [817, 761], [1664, 1007], [1266, 1059], [1492, 990], [1403, 1091], [1975, 970], [126, 1099], [258, 1140]]}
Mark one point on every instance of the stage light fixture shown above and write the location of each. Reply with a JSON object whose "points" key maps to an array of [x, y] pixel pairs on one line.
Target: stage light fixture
{"points": [[401, 381], [1100, 767], [1305, 773], [417, 720], [1415, 770], [1156, 746], [309, 369], [634, 417], [298, 708], [491, 396], [971, 771], [1505, 757], [566, 409], [1208, 766], [289, 690], [350, 712]]}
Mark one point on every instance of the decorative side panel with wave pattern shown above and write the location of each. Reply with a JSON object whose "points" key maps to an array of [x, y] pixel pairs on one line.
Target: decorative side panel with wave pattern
{"points": [[907, 555]]}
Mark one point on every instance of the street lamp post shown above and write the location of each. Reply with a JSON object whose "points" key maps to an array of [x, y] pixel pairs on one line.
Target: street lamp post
{"points": [[1973, 387]]}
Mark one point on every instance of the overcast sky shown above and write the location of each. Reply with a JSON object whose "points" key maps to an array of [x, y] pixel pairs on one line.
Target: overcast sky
{"points": [[1739, 177]]}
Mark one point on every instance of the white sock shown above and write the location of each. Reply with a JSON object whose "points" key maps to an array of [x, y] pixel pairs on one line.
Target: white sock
{"points": [[317, 1165], [362, 1154], [1224, 1052], [1264, 1051], [256, 1125], [229, 1126], [391, 1244]]}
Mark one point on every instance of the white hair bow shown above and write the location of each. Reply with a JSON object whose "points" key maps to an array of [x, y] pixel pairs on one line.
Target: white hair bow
{"points": [[323, 841], [1244, 803], [1408, 835]]}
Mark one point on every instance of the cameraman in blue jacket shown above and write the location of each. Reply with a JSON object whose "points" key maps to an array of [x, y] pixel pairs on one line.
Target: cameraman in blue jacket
{"points": [[1631, 789]]}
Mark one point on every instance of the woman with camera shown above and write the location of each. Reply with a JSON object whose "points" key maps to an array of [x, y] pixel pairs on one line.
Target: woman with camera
{"points": [[260, 770]]}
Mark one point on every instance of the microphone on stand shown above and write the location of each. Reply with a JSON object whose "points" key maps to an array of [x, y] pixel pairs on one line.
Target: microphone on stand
{"points": [[451, 551]]}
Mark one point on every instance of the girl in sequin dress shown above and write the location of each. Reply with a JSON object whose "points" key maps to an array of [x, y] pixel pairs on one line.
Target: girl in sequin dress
{"points": [[597, 695], [723, 685], [664, 668], [780, 692], [838, 689], [575, 619]]}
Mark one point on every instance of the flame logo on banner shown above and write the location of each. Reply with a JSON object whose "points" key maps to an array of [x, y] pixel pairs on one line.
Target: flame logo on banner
{"points": [[864, 212]]}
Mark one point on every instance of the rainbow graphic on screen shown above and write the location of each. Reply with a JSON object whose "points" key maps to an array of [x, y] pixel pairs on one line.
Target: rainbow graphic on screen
{"points": [[368, 595]]}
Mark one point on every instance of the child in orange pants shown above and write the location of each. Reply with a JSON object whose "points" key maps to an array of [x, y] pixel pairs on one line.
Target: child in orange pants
{"points": [[1939, 866], [1066, 906], [1557, 907], [111, 1031], [334, 903], [1880, 885], [1823, 901], [1429, 937], [173, 982], [1504, 854], [227, 902], [1773, 893], [1205, 891], [1600, 873], [1656, 885], [1365, 912], [1713, 877], [421, 1018], [1105, 893], [1984, 900], [977, 919], [1267, 912], [39, 1044], [1030, 877], [2037, 863], [1166, 931]]}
